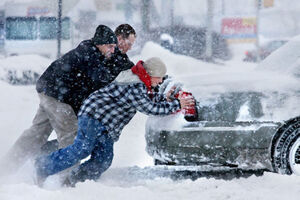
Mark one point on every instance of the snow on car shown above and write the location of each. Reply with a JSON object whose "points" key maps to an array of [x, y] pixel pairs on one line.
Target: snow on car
{"points": [[246, 118]]}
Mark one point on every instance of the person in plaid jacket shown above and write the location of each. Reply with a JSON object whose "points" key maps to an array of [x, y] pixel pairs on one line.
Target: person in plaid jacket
{"points": [[102, 117]]}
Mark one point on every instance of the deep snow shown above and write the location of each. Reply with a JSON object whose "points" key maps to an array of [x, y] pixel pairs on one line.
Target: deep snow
{"points": [[127, 178]]}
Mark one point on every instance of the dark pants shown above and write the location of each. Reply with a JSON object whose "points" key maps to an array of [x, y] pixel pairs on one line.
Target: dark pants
{"points": [[92, 139]]}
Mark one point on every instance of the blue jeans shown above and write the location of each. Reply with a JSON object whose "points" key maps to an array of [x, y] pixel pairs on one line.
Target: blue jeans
{"points": [[92, 139]]}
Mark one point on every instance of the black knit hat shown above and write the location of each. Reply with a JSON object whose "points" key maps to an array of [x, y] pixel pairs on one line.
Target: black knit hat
{"points": [[104, 35]]}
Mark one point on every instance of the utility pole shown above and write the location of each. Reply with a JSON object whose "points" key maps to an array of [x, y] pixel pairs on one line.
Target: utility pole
{"points": [[59, 28], [2, 32], [258, 2], [128, 10], [209, 26], [146, 15], [223, 7], [172, 17], [167, 14]]}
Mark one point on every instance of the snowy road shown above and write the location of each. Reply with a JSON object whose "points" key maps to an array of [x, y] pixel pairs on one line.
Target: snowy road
{"points": [[127, 178]]}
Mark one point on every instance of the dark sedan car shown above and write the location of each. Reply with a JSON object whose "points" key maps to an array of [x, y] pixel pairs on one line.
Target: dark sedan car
{"points": [[216, 138], [219, 134]]}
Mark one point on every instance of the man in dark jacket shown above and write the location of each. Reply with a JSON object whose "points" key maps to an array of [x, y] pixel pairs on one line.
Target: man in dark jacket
{"points": [[65, 84], [102, 117]]}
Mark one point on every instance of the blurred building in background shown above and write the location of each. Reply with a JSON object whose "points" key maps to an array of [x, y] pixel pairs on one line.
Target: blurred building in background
{"points": [[33, 22], [30, 27]]}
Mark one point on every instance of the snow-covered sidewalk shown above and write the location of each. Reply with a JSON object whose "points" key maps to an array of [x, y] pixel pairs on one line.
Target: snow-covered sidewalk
{"points": [[126, 179]]}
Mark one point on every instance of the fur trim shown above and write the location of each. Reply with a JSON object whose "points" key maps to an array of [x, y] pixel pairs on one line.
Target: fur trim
{"points": [[126, 77]]}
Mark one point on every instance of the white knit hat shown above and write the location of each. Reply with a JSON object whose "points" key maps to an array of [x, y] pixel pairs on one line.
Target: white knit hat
{"points": [[155, 67]]}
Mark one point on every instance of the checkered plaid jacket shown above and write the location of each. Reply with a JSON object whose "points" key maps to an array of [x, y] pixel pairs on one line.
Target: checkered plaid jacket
{"points": [[116, 104]]}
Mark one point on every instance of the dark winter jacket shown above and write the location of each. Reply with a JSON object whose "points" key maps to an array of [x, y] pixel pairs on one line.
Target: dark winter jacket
{"points": [[81, 71], [116, 104]]}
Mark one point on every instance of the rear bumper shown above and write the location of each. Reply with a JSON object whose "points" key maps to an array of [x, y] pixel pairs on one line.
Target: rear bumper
{"points": [[241, 144]]}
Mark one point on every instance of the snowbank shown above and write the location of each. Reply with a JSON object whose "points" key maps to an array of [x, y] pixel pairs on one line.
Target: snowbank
{"points": [[23, 69]]}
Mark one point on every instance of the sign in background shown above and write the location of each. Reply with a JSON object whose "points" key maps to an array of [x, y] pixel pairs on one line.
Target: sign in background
{"points": [[33, 11], [239, 29]]}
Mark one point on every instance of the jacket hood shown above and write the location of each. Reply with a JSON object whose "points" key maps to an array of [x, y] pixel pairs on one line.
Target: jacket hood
{"points": [[137, 74], [126, 77]]}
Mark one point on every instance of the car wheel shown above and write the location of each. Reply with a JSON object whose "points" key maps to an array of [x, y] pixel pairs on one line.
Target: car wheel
{"points": [[286, 148], [294, 157]]}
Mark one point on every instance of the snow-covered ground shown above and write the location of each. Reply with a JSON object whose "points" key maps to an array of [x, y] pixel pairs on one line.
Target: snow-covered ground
{"points": [[128, 177]]}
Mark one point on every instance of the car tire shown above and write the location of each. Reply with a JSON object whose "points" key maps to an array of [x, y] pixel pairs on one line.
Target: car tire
{"points": [[286, 148]]}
